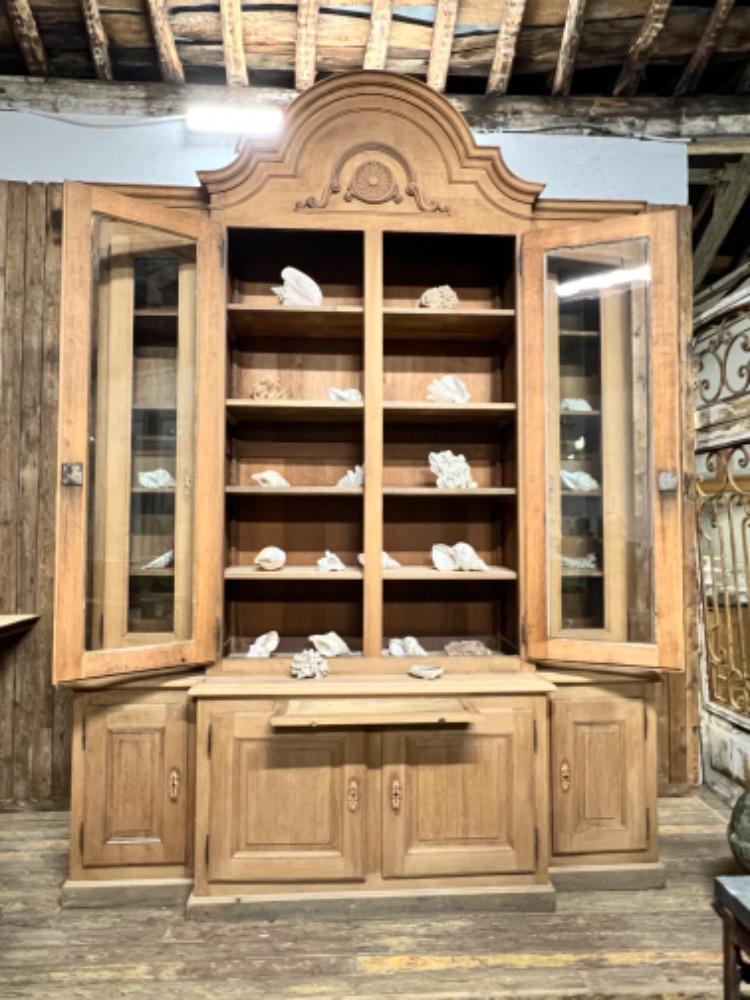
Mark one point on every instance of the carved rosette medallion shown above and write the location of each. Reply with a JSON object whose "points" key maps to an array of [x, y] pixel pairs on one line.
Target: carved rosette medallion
{"points": [[373, 183]]}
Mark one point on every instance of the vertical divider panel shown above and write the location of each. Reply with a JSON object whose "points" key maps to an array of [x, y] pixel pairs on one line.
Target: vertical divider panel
{"points": [[373, 444], [183, 541]]}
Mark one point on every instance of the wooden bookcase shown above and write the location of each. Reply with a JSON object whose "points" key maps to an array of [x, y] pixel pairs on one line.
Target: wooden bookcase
{"points": [[535, 761]]}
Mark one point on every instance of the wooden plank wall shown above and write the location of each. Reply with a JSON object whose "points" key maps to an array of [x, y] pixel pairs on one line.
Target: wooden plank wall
{"points": [[34, 726]]}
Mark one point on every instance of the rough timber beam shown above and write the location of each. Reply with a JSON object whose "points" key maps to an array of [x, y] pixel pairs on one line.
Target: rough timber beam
{"points": [[376, 51], [97, 39], [235, 63], [728, 204], [710, 122], [446, 13], [571, 37], [634, 65], [705, 48], [169, 60], [27, 36], [511, 18], [305, 57]]}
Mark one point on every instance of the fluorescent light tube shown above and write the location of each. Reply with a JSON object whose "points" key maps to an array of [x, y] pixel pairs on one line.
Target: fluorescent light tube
{"points": [[228, 120], [602, 280]]}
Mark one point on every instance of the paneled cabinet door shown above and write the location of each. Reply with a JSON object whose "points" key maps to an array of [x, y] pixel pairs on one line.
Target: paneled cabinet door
{"points": [[602, 480], [284, 807], [461, 802], [139, 437], [135, 788], [599, 780]]}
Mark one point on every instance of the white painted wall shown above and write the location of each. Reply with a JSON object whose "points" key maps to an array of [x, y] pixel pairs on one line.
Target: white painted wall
{"points": [[160, 151]]}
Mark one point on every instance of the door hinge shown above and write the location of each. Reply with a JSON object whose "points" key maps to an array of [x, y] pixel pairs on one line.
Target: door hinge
{"points": [[536, 736], [206, 848], [83, 733], [80, 839], [536, 846], [210, 739]]}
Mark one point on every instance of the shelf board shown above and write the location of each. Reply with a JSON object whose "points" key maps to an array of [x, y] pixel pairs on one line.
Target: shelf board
{"points": [[430, 573], [581, 494], [153, 490], [247, 320], [476, 324], [580, 333], [151, 312], [290, 573], [142, 571], [448, 411], [294, 491], [581, 572], [292, 409], [434, 491], [580, 413]]}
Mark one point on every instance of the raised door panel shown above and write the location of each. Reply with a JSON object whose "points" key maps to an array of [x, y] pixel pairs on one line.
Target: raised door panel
{"points": [[134, 785], [461, 802], [284, 807], [599, 787]]}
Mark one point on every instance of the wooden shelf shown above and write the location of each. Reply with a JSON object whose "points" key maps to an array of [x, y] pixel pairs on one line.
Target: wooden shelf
{"points": [[580, 333], [430, 573], [10, 624], [292, 409], [283, 321], [581, 494], [142, 571], [580, 413], [448, 411], [155, 490], [294, 491], [476, 324], [290, 573], [574, 573], [434, 491], [310, 713], [157, 312]]}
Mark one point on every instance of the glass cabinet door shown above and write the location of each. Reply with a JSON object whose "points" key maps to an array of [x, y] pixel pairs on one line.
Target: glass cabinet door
{"points": [[602, 405], [136, 419]]}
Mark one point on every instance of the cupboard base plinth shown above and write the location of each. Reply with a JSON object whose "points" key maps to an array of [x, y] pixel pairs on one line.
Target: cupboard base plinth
{"points": [[124, 892], [589, 878], [374, 904]]}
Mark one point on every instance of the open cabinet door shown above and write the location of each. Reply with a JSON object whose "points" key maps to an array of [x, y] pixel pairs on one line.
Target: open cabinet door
{"points": [[602, 485], [137, 584]]}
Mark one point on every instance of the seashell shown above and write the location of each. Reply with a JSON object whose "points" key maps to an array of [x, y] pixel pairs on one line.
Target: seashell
{"points": [[354, 477], [408, 646], [330, 563], [268, 388], [448, 389], [579, 562], [578, 481], [269, 478], [264, 645], [308, 665], [270, 558], [330, 644], [344, 395], [298, 289], [161, 562], [444, 558], [386, 561], [452, 471], [425, 672], [573, 405], [467, 557], [580, 443], [156, 479], [467, 647], [439, 297]]}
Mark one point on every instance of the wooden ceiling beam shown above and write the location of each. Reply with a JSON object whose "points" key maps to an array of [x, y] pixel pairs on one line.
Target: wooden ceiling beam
{"points": [[728, 204], [571, 37], [305, 56], [501, 69], [634, 66], [26, 32], [376, 50], [443, 30], [169, 59], [235, 61], [704, 49], [97, 39]]}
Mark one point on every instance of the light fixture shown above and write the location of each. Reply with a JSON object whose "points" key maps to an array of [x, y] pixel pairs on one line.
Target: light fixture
{"points": [[260, 120], [602, 280]]}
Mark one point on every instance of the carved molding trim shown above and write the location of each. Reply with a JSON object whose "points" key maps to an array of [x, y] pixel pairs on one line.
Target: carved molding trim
{"points": [[373, 182]]}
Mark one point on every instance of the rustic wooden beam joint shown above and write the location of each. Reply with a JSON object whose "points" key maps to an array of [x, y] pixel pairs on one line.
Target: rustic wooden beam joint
{"points": [[571, 37], [728, 204], [26, 32], [705, 48], [97, 39], [376, 51], [640, 49], [505, 47], [443, 30], [305, 57], [235, 62], [169, 59]]}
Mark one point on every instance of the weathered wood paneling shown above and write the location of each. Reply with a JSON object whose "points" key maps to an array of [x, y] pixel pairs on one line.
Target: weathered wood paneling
{"points": [[34, 727]]}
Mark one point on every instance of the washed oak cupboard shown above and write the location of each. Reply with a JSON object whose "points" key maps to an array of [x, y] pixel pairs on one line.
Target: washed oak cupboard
{"points": [[182, 377]]}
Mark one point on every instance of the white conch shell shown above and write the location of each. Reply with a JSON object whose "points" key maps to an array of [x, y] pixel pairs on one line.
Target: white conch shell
{"points": [[386, 561], [573, 405], [269, 478], [354, 477], [579, 481], [448, 389], [467, 647], [408, 646], [309, 665], [425, 671], [439, 297], [330, 563], [156, 479], [298, 289], [444, 558], [579, 562], [452, 471], [461, 556], [264, 645], [330, 644], [161, 562], [270, 558], [344, 395]]}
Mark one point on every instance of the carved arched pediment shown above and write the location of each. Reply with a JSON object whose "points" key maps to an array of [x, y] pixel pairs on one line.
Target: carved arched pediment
{"points": [[368, 141]]}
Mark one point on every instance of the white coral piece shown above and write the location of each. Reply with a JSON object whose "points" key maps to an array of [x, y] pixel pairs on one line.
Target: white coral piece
{"points": [[270, 558], [330, 563], [461, 556], [264, 645], [386, 561], [439, 297], [467, 647], [330, 644], [298, 289], [163, 561], [448, 389], [270, 477], [408, 646], [156, 479], [354, 477], [573, 405], [452, 471], [309, 665], [344, 395], [425, 671], [578, 481], [444, 558], [579, 562]]}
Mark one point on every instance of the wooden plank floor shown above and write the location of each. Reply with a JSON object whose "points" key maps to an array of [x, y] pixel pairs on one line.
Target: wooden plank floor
{"points": [[656, 944]]}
